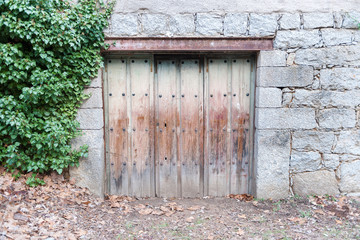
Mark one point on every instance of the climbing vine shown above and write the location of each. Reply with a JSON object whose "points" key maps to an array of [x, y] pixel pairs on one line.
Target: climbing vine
{"points": [[49, 51]]}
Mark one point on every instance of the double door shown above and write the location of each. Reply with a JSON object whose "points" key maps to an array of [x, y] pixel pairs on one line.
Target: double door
{"points": [[178, 127]]}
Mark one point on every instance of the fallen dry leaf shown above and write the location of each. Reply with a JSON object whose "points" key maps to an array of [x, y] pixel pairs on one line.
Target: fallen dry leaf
{"points": [[115, 205], [157, 212], [242, 216], [164, 209], [298, 220], [240, 232], [189, 219], [177, 208], [80, 232], [194, 208], [180, 209], [145, 211], [140, 206], [316, 200], [242, 197], [68, 216], [86, 202], [126, 208], [341, 201], [168, 214], [319, 211]]}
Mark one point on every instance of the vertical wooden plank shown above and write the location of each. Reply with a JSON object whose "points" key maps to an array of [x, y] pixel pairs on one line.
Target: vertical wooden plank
{"points": [[206, 127], [118, 125], [152, 127], [166, 129], [217, 126], [178, 129], [191, 127], [240, 124], [140, 77], [156, 130], [201, 124], [228, 127], [106, 127]]}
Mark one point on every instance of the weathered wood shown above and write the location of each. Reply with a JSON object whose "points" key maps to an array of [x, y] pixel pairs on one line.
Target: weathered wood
{"points": [[152, 129], [186, 134], [240, 125], [191, 127], [206, 141], [166, 126], [140, 77], [118, 126], [217, 126], [228, 127]]}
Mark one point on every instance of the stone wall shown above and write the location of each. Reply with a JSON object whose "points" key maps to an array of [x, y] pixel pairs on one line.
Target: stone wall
{"points": [[234, 6], [308, 107], [307, 138], [91, 172]]}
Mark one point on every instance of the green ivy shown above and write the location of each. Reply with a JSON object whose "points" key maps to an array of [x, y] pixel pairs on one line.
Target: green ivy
{"points": [[49, 51]]}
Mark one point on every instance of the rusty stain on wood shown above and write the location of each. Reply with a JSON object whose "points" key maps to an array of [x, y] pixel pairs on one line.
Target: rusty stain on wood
{"points": [[140, 112], [129, 121], [240, 125], [217, 126], [118, 120], [191, 89]]}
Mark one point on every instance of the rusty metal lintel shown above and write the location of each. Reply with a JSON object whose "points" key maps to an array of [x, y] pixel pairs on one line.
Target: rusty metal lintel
{"points": [[187, 44]]}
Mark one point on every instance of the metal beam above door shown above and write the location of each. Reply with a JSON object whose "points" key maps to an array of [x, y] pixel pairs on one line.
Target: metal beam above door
{"points": [[117, 45]]}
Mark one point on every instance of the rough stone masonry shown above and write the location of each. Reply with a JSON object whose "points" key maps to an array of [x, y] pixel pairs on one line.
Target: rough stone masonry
{"points": [[307, 137]]}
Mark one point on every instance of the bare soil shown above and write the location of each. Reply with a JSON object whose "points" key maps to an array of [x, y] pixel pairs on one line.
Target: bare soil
{"points": [[60, 210]]}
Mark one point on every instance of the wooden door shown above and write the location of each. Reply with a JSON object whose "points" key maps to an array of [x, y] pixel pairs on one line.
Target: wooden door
{"points": [[191, 122], [178, 127], [240, 125], [130, 123], [227, 126], [179, 131], [167, 124]]}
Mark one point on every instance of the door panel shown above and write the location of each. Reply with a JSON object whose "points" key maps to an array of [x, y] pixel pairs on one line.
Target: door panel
{"points": [[166, 129], [191, 119], [240, 125], [140, 77], [118, 127], [217, 121], [130, 127]]}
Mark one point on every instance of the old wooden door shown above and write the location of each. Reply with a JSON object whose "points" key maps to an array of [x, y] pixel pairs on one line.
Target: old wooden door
{"points": [[227, 126], [178, 127], [130, 127]]}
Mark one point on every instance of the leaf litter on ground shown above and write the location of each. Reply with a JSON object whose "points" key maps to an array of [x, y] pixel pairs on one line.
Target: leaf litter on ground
{"points": [[61, 210]]}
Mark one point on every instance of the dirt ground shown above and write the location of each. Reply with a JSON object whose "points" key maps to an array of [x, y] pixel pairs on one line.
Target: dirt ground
{"points": [[60, 210]]}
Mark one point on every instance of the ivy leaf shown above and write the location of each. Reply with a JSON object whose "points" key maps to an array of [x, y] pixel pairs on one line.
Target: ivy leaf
{"points": [[48, 54]]}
